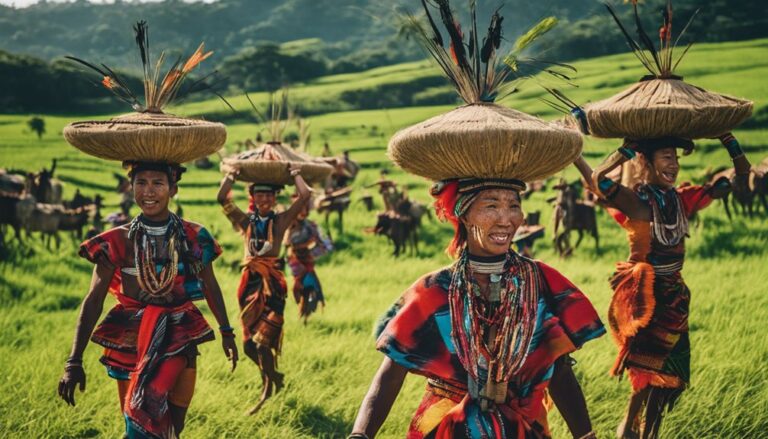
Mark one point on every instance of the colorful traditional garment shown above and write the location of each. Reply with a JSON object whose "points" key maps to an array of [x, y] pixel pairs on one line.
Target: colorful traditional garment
{"points": [[420, 337], [150, 340], [305, 243], [648, 315], [261, 296], [263, 289]]}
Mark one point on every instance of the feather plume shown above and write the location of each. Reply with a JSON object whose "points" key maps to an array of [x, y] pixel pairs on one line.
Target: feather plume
{"points": [[278, 115], [160, 90], [661, 62], [475, 69]]}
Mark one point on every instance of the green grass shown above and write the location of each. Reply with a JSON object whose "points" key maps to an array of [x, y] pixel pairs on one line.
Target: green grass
{"points": [[330, 362]]}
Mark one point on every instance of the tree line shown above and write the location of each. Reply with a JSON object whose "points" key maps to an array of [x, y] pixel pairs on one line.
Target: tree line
{"points": [[264, 45]]}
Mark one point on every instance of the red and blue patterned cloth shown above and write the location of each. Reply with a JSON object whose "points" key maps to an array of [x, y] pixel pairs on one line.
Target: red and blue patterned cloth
{"points": [[419, 338]]}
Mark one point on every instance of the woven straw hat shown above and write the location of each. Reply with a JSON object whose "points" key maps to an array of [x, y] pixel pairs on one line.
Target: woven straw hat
{"points": [[269, 164], [666, 108], [484, 141], [147, 137]]}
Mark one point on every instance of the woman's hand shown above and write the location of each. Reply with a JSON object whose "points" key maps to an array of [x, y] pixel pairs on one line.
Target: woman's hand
{"points": [[230, 349], [74, 375]]}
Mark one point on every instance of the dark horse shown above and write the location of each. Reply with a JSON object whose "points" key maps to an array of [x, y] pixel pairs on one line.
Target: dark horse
{"points": [[573, 214]]}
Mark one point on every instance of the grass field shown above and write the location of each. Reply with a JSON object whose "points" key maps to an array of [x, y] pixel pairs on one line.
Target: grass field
{"points": [[330, 362]]}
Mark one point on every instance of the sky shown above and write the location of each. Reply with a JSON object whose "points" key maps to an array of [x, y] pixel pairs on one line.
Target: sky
{"points": [[24, 3]]}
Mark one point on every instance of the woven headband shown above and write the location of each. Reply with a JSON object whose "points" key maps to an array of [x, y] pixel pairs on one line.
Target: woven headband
{"points": [[172, 170], [470, 188]]}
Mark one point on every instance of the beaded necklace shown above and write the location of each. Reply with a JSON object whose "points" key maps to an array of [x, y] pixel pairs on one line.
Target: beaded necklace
{"points": [[669, 225], [147, 239], [492, 336], [260, 233]]}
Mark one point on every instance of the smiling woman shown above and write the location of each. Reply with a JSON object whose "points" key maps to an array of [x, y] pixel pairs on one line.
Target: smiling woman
{"points": [[492, 331], [649, 311], [156, 266]]}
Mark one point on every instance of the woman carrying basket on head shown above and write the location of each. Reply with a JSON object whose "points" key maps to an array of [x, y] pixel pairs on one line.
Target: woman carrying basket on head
{"points": [[156, 266], [488, 330], [648, 314], [263, 289]]}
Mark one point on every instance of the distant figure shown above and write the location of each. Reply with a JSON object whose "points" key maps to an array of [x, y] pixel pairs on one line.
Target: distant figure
{"points": [[37, 125], [304, 243], [344, 173], [326, 150]]}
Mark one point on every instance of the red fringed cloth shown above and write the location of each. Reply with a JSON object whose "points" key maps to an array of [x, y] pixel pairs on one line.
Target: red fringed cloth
{"points": [[146, 343]]}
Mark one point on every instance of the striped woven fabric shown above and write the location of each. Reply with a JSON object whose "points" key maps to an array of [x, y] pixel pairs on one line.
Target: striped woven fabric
{"points": [[418, 337]]}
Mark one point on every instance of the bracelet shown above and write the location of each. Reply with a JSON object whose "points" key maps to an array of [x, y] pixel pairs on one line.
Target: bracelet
{"points": [[608, 188], [73, 363], [295, 172], [626, 152], [732, 145], [228, 207], [227, 331]]}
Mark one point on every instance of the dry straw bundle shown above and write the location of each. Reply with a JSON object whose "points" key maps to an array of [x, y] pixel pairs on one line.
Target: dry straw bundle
{"points": [[268, 163], [149, 134], [482, 139], [662, 105]]}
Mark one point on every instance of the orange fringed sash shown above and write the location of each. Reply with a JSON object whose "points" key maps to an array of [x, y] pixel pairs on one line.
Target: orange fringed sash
{"points": [[631, 307], [256, 302]]}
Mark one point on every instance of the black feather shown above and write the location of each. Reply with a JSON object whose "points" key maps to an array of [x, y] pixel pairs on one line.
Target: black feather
{"points": [[645, 39], [142, 40], [437, 37], [454, 32], [87, 64]]}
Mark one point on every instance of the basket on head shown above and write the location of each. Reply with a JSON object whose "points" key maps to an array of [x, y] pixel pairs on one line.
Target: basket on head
{"points": [[147, 137], [657, 108], [485, 141], [661, 104], [269, 164]]}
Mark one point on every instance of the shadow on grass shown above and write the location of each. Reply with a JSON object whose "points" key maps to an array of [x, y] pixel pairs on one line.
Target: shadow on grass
{"points": [[380, 164], [90, 184], [9, 291], [728, 240], [87, 432], [352, 151], [78, 166], [189, 185], [319, 424]]}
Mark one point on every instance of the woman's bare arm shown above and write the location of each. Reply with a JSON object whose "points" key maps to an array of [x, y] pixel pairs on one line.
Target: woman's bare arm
{"points": [[216, 303], [90, 311], [614, 193], [378, 401], [304, 193]]}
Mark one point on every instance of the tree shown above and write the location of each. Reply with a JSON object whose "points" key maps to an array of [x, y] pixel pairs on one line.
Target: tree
{"points": [[37, 124]]}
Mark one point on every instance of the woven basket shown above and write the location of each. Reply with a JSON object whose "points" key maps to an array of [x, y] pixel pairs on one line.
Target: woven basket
{"points": [[147, 137], [666, 107], [269, 163], [484, 141]]}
